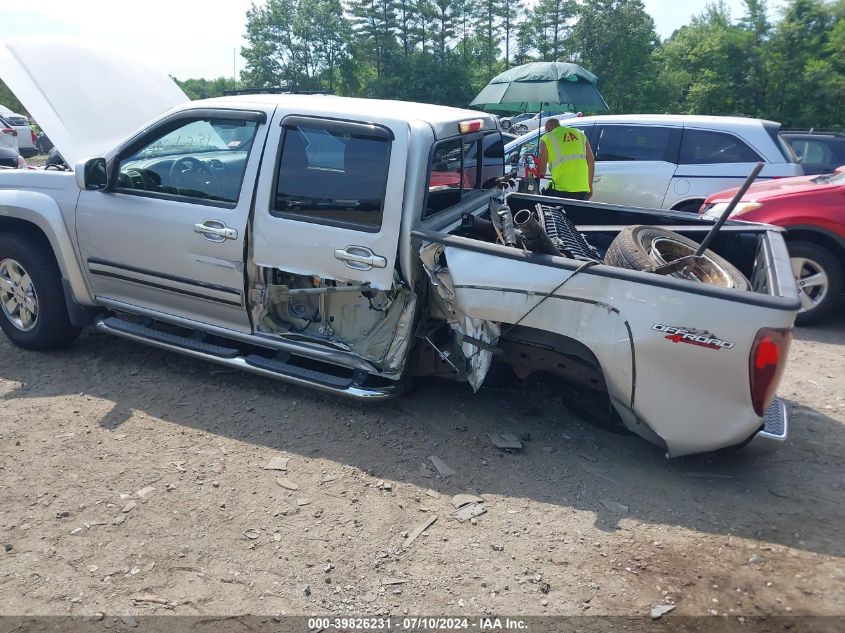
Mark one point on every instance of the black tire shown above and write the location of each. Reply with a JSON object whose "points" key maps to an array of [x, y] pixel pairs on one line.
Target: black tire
{"points": [[628, 251], [821, 259], [52, 327]]}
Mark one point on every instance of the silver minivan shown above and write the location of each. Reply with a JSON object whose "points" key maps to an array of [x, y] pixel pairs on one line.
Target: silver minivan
{"points": [[665, 161]]}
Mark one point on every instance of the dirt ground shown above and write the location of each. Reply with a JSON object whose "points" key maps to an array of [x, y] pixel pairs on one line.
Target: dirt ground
{"points": [[132, 482]]}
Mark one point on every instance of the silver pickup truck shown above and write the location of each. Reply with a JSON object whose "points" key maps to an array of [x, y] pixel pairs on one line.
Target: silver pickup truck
{"points": [[351, 244]]}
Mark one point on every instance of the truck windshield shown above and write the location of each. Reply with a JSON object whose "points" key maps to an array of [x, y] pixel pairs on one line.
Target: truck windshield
{"points": [[455, 171]]}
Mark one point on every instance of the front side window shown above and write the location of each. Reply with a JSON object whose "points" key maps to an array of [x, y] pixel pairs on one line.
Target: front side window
{"points": [[333, 175], [528, 147], [703, 147], [201, 159], [632, 143]]}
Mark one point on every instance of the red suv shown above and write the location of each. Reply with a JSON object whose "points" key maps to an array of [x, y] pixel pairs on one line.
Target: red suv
{"points": [[812, 210]]}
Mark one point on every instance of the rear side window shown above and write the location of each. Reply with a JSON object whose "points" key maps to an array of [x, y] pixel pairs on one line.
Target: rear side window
{"points": [[455, 171], [812, 151], [632, 143], [703, 147], [333, 175]]}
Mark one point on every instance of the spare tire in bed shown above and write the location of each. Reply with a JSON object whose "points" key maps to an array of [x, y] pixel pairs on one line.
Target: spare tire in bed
{"points": [[643, 247]]}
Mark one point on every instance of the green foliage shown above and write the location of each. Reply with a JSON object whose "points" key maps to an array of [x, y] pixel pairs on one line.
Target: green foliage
{"points": [[206, 88], [445, 51], [792, 72], [805, 64], [297, 44], [9, 100], [615, 39]]}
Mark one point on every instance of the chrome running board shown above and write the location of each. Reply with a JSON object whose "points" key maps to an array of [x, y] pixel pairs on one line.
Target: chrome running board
{"points": [[269, 368]]}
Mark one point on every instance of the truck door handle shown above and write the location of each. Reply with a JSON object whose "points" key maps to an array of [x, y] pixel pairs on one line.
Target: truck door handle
{"points": [[596, 178], [215, 231], [360, 258]]}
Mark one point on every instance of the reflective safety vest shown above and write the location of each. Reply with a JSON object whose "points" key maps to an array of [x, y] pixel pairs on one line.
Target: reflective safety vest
{"points": [[567, 151]]}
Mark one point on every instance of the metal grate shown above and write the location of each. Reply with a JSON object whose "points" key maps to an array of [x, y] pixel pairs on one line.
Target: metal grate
{"points": [[564, 234]]}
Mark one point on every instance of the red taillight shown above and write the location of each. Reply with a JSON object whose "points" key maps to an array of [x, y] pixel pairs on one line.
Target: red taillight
{"points": [[766, 365], [34, 138], [10, 131]]}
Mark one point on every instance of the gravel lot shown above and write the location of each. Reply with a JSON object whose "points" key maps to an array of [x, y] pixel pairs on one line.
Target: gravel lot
{"points": [[132, 482]]}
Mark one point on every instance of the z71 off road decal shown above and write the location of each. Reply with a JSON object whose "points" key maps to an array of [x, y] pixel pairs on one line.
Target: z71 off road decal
{"points": [[701, 338]]}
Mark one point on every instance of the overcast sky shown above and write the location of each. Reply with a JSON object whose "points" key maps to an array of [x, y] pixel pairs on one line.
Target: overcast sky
{"points": [[197, 38]]}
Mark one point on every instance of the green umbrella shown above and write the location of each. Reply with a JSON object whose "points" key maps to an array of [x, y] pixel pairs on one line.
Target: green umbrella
{"points": [[552, 86]]}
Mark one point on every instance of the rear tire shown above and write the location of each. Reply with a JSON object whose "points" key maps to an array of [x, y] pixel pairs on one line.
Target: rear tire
{"points": [[814, 264], [33, 313], [629, 250]]}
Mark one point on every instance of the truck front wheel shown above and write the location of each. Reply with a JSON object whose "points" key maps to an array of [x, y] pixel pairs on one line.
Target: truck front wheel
{"points": [[33, 313]]}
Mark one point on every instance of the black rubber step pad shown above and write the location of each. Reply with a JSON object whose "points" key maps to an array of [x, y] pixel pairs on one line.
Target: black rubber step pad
{"points": [[186, 342], [311, 375]]}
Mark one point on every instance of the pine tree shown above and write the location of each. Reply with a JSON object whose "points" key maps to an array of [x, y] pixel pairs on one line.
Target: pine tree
{"points": [[509, 13], [375, 27]]}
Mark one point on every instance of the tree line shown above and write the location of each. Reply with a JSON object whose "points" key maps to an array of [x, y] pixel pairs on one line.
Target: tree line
{"points": [[791, 69]]}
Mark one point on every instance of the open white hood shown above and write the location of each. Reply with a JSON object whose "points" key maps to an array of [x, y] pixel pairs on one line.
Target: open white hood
{"points": [[86, 99]]}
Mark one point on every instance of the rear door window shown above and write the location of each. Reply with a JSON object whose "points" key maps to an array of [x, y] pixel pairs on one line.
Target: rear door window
{"points": [[333, 173], [704, 147], [632, 143]]}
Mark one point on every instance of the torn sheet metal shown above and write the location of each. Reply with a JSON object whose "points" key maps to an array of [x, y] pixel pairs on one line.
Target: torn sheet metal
{"points": [[478, 359]]}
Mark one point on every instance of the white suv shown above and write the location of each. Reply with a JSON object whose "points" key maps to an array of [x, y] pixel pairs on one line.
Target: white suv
{"points": [[664, 161], [24, 134]]}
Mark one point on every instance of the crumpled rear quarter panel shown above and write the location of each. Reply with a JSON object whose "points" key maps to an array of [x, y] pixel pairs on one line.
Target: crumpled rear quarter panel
{"points": [[696, 398]]}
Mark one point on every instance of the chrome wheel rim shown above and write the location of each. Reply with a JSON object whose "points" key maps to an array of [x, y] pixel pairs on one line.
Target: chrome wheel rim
{"points": [[812, 281], [664, 250], [18, 298]]}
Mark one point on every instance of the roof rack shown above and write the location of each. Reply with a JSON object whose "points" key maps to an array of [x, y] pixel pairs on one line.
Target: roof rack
{"points": [[272, 91], [814, 131]]}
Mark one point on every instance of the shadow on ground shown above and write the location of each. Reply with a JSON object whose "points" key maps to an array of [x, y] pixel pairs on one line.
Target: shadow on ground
{"points": [[789, 494], [831, 330]]}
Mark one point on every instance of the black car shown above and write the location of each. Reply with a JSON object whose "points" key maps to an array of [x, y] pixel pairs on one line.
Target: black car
{"points": [[819, 152], [8, 157]]}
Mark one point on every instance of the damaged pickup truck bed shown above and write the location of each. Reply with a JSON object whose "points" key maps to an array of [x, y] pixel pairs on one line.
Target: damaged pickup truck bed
{"points": [[349, 244]]}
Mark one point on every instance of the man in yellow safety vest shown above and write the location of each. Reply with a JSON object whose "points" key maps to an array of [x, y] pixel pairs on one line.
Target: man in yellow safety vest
{"points": [[569, 157]]}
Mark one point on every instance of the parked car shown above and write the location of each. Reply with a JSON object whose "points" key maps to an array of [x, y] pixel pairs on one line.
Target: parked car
{"points": [[25, 134], [819, 152], [8, 135], [812, 210], [539, 120], [217, 229], [672, 161], [10, 159], [509, 121]]}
